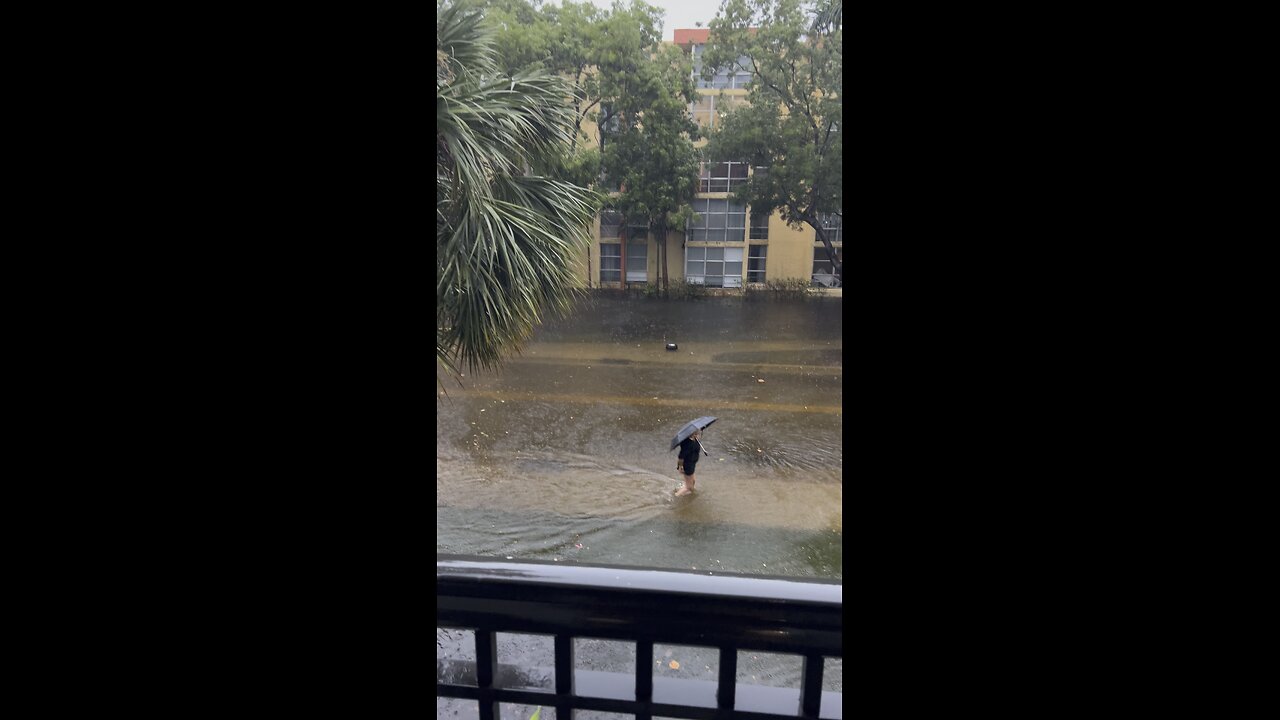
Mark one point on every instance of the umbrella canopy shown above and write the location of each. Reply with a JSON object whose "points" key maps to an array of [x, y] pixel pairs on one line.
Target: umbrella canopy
{"points": [[690, 428]]}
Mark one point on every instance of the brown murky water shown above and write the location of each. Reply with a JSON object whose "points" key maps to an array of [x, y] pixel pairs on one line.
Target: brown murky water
{"points": [[563, 454]]}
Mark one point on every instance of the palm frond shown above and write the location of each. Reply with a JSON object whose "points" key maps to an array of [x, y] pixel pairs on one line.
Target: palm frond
{"points": [[506, 241]]}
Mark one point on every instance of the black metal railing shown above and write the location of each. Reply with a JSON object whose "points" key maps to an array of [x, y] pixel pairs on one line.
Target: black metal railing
{"points": [[728, 612]]}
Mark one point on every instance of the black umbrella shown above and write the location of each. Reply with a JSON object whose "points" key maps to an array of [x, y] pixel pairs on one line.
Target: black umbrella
{"points": [[689, 429]]}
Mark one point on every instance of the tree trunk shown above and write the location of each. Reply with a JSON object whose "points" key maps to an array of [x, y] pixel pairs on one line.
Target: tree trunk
{"points": [[831, 251], [622, 238], [654, 232], [662, 258]]}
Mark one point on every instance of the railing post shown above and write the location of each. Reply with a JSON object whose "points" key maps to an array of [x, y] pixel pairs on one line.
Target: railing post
{"points": [[644, 675], [726, 693], [810, 686], [486, 663], [564, 676]]}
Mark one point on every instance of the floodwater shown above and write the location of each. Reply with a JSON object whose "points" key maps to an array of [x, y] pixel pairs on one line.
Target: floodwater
{"points": [[562, 455]]}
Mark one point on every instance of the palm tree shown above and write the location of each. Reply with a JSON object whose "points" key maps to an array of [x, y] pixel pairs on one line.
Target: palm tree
{"points": [[507, 239], [828, 16]]}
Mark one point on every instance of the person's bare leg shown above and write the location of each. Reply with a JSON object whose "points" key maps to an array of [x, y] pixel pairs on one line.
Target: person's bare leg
{"points": [[688, 486]]}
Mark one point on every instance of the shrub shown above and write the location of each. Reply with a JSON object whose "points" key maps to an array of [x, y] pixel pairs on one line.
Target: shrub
{"points": [[791, 289], [687, 291]]}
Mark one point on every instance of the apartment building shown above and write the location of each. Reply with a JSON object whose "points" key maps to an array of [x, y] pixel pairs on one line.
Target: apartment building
{"points": [[729, 246]]}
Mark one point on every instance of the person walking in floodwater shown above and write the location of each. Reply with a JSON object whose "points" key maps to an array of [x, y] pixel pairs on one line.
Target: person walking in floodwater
{"points": [[690, 451]]}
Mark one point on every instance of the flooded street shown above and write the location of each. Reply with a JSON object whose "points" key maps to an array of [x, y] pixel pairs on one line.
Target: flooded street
{"points": [[567, 445], [563, 453]]}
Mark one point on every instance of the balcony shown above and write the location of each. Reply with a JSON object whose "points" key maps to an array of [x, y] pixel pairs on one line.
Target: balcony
{"points": [[728, 613]]}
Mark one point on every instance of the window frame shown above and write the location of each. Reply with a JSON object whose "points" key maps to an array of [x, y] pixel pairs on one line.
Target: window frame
{"points": [[736, 76], [756, 264], [833, 224], [756, 230], [827, 276], [715, 105], [718, 258], [642, 245], [736, 175], [616, 255], [709, 221], [610, 215]]}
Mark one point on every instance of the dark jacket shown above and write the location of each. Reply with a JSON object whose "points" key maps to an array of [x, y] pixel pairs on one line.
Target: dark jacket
{"points": [[690, 451]]}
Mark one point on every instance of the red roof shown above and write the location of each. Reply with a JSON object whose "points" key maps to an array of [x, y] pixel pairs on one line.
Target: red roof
{"points": [[695, 36]]}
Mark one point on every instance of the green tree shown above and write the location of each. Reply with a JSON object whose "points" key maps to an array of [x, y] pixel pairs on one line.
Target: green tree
{"points": [[792, 124], [631, 86], [521, 32], [564, 40], [651, 152], [506, 238]]}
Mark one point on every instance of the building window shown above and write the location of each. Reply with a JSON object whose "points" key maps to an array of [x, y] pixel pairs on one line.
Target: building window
{"points": [[722, 177], [735, 77], [610, 223], [759, 226], [637, 258], [703, 111], [756, 255], [714, 266], [611, 227], [833, 224], [721, 220], [823, 271], [708, 108], [610, 262]]}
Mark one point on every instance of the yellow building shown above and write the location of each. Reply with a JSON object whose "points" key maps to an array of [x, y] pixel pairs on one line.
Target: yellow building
{"points": [[729, 246]]}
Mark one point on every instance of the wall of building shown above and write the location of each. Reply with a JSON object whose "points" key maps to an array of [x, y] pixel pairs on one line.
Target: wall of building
{"points": [[790, 251]]}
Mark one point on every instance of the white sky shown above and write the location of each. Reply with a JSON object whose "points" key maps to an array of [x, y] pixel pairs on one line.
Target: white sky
{"points": [[680, 13]]}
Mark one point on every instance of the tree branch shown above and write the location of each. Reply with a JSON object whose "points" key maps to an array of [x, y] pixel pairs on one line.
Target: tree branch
{"points": [[786, 98], [583, 115]]}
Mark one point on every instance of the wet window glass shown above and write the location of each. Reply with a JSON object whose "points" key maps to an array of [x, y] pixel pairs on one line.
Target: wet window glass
{"points": [[637, 260], [718, 220], [823, 270], [714, 266], [756, 257], [832, 223], [610, 224], [610, 262], [759, 227]]}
